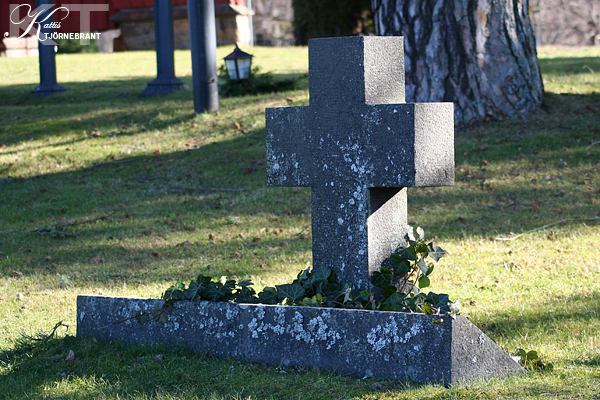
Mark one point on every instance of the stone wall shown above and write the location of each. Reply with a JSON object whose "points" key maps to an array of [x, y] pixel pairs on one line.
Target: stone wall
{"points": [[570, 23], [273, 22], [137, 27]]}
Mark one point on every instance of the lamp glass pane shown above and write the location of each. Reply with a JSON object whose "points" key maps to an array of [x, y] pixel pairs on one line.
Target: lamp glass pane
{"points": [[231, 71], [244, 67]]}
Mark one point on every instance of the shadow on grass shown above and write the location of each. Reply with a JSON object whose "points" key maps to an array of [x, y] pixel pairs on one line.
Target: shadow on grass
{"points": [[153, 206], [98, 369], [103, 106], [111, 370]]}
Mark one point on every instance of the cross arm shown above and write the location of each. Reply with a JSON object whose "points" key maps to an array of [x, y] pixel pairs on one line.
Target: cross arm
{"points": [[288, 146], [412, 145]]}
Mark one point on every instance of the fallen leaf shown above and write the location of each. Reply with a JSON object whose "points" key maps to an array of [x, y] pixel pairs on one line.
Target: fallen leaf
{"points": [[237, 125], [247, 170], [70, 356], [26, 305], [98, 260], [16, 274], [25, 249], [211, 236]]}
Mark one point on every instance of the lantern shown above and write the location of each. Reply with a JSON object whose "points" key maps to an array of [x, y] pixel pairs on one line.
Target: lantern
{"points": [[238, 64]]}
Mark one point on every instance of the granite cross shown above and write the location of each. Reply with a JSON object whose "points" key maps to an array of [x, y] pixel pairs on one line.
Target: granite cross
{"points": [[358, 145]]}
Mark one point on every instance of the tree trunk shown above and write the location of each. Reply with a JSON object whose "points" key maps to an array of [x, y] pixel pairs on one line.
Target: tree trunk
{"points": [[478, 54]]}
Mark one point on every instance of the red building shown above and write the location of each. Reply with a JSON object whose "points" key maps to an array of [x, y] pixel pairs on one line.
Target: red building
{"points": [[119, 12]]}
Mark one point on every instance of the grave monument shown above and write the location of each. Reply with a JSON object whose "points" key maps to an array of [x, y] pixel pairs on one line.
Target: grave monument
{"points": [[358, 146]]}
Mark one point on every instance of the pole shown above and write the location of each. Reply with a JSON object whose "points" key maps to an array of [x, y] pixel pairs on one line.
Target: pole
{"points": [[203, 40], [165, 81], [48, 84]]}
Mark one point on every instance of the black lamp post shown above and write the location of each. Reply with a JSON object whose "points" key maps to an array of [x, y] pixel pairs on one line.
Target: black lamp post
{"points": [[238, 64]]}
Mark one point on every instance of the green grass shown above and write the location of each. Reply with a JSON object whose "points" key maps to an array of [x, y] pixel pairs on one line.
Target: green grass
{"points": [[99, 147]]}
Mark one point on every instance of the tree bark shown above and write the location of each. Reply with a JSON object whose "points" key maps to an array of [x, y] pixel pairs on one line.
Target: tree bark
{"points": [[479, 54]]}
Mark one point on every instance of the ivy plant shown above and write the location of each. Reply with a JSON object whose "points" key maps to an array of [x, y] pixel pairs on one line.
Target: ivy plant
{"points": [[531, 360], [399, 286], [408, 274]]}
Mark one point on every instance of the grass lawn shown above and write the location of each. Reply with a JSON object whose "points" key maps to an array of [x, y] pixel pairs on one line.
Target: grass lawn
{"points": [[99, 148]]}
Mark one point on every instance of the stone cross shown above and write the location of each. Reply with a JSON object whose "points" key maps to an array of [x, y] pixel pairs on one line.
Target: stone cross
{"points": [[358, 145]]}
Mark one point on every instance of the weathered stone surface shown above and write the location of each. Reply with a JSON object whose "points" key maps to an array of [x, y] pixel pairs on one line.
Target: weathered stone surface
{"points": [[355, 342], [357, 145]]}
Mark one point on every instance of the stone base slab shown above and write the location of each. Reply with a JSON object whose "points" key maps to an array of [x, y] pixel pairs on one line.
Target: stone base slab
{"points": [[359, 343]]}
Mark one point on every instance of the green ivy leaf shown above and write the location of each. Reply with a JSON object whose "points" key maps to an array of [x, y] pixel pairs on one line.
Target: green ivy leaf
{"points": [[408, 254], [435, 251], [203, 280], [427, 309], [190, 293], [293, 291], [322, 273], [303, 275], [382, 278], [424, 282], [268, 296], [389, 291], [423, 265], [429, 270], [399, 265], [245, 283]]}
